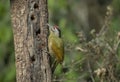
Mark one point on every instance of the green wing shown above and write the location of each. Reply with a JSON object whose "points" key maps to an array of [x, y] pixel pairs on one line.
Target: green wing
{"points": [[58, 49]]}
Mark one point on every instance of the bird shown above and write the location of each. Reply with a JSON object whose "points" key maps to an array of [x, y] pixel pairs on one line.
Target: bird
{"points": [[55, 46]]}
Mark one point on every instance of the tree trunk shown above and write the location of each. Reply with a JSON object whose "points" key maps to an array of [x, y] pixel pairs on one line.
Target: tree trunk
{"points": [[29, 19]]}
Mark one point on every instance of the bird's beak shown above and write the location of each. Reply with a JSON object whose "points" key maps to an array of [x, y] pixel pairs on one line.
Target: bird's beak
{"points": [[49, 25]]}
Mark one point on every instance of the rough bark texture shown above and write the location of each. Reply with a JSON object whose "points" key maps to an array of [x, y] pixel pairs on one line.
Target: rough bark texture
{"points": [[29, 19]]}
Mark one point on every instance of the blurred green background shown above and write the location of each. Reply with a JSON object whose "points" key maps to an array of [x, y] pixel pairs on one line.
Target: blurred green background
{"points": [[76, 19], [7, 64]]}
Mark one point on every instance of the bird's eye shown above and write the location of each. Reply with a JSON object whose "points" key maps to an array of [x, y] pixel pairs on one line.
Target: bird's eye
{"points": [[53, 29]]}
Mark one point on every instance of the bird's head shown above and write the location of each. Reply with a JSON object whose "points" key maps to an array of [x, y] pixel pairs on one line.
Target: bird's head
{"points": [[55, 30]]}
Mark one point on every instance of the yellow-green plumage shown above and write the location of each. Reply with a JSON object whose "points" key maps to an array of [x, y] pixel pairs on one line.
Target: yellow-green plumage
{"points": [[56, 47]]}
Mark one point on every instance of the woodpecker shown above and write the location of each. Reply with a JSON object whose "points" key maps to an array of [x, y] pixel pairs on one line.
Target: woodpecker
{"points": [[55, 45]]}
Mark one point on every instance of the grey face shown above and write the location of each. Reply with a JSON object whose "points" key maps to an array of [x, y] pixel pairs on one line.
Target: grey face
{"points": [[57, 31]]}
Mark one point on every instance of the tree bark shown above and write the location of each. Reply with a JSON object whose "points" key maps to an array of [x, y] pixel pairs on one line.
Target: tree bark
{"points": [[29, 19]]}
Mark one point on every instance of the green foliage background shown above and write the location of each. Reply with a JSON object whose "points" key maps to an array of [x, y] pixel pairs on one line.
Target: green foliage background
{"points": [[62, 14], [7, 64]]}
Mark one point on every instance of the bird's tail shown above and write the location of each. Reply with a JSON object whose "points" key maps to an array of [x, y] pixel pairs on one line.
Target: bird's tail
{"points": [[54, 65]]}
